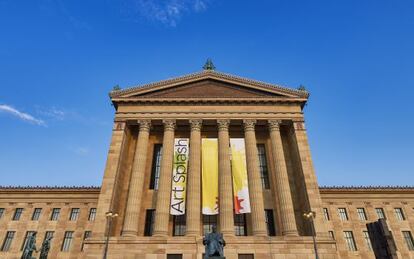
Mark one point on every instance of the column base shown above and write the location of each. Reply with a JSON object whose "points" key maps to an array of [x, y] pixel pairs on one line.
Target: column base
{"points": [[291, 233], [260, 233], [129, 233], [160, 234]]}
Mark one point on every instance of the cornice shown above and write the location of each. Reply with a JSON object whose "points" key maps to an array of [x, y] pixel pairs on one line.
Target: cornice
{"points": [[210, 74], [49, 188], [368, 188]]}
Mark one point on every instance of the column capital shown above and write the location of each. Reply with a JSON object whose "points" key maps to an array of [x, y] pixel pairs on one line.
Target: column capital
{"points": [[274, 124], [169, 124], [249, 124], [196, 124], [119, 125], [223, 124], [144, 125], [299, 125]]}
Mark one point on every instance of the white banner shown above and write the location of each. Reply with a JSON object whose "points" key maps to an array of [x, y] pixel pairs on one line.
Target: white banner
{"points": [[179, 176]]}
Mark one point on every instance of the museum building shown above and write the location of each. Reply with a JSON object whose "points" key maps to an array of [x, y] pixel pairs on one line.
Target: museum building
{"points": [[200, 151]]}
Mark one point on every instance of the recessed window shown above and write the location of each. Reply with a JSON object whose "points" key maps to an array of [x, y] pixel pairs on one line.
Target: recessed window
{"points": [[55, 214], [408, 240], [367, 240], [49, 234], [361, 214], [26, 237], [350, 241], [380, 213], [92, 214], [156, 166], [264, 173], [343, 215], [74, 214], [85, 236], [8, 241], [17, 214], [149, 222], [270, 223], [1, 212], [326, 214], [245, 256], [36, 213], [67, 241], [240, 225], [208, 222], [174, 256], [331, 234], [399, 214], [179, 225]]}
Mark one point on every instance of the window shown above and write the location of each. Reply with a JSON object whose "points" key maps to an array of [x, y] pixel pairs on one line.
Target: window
{"points": [[92, 214], [28, 234], [1, 212], [240, 225], [85, 236], [331, 234], [156, 166], [342, 214], [208, 222], [326, 214], [74, 214], [8, 241], [380, 213], [408, 240], [67, 241], [175, 256], [367, 240], [49, 234], [55, 214], [17, 213], [270, 223], [350, 241], [36, 213], [149, 222], [399, 214], [246, 256], [264, 173], [361, 214], [179, 225]]}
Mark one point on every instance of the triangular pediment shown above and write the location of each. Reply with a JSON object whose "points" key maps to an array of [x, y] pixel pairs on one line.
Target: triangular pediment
{"points": [[208, 84]]}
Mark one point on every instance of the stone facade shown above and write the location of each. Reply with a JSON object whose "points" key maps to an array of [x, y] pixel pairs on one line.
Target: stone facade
{"points": [[207, 104]]}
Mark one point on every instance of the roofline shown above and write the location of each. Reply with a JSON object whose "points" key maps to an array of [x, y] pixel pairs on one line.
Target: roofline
{"points": [[289, 90]]}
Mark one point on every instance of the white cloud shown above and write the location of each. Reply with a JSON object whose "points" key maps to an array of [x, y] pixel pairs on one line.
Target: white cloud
{"points": [[169, 12], [82, 151], [21, 115], [53, 113]]}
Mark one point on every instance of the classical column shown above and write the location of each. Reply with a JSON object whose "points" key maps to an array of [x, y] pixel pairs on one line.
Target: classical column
{"points": [[225, 184], [194, 179], [282, 182], [255, 183], [164, 188], [136, 183]]}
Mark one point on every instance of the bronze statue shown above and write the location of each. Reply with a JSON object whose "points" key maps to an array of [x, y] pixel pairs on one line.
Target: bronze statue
{"points": [[29, 247], [214, 244], [44, 250]]}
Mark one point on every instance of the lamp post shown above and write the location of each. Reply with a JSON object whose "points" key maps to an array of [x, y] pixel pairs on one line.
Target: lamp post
{"points": [[310, 216], [109, 217]]}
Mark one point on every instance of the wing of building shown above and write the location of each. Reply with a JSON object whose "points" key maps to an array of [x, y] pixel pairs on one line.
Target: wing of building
{"points": [[200, 151]]}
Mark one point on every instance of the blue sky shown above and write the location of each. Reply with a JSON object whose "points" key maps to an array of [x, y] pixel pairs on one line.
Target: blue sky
{"points": [[59, 60]]}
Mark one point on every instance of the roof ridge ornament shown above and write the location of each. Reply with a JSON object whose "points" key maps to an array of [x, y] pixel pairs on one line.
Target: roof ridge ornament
{"points": [[209, 65]]}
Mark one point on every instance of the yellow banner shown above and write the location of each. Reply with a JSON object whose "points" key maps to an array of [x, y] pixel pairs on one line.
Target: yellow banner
{"points": [[239, 172], [209, 176], [179, 176]]}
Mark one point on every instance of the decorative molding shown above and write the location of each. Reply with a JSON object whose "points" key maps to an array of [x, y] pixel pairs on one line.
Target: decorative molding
{"points": [[249, 124], [365, 188], [299, 125], [274, 124], [206, 74], [39, 188], [169, 124], [223, 124], [144, 125], [196, 124]]}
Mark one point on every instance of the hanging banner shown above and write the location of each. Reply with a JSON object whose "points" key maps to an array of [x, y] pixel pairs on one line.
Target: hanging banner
{"points": [[239, 172], [179, 176], [209, 149]]}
